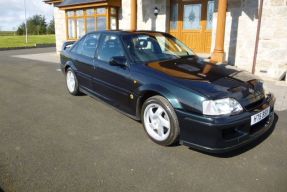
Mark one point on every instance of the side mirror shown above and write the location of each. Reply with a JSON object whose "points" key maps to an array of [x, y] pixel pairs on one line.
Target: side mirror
{"points": [[120, 61], [67, 45]]}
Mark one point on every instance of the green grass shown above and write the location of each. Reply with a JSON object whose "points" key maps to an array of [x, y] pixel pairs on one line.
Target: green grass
{"points": [[6, 33], [19, 41]]}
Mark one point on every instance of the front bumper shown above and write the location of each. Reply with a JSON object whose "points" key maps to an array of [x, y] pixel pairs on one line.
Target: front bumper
{"points": [[223, 134]]}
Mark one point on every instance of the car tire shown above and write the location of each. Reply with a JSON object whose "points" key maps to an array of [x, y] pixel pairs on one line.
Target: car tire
{"points": [[160, 121], [72, 82]]}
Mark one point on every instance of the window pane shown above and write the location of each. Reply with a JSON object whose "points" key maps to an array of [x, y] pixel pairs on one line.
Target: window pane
{"points": [[113, 23], [155, 47], [79, 13], [78, 47], [101, 23], [90, 12], [70, 13], [192, 16], [210, 10], [101, 10], [174, 16], [71, 29], [91, 24], [80, 27], [111, 47], [113, 11], [90, 45]]}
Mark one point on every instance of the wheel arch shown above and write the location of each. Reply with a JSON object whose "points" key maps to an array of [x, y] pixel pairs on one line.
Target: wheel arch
{"points": [[148, 91], [69, 64]]}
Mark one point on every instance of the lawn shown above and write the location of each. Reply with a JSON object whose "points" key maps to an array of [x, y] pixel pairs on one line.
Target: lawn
{"points": [[19, 41]]}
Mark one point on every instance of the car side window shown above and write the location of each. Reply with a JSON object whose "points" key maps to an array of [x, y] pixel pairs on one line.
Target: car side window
{"points": [[90, 45], [77, 48], [110, 47]]}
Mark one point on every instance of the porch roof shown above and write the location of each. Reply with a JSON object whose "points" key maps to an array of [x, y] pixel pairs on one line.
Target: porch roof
{"points": [[78, 2]]}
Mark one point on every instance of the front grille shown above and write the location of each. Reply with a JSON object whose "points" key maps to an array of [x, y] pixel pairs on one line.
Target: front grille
{"points": [[254, 105]]}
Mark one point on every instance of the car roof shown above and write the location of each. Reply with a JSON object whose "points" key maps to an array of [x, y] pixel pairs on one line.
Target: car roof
{"points": [[127, 32]]}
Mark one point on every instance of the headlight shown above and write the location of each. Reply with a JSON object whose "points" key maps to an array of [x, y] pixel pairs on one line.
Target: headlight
{"points": [[221, 107]]}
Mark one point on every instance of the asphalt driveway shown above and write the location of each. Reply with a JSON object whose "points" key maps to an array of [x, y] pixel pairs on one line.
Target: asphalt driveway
{"points": [[51, 141]]}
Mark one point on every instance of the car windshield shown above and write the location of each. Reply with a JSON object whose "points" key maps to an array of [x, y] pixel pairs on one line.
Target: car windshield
{"points": [[155, 47]]}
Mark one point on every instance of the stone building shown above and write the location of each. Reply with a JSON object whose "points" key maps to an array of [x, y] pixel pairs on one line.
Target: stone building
{"points": [[227, 30]]}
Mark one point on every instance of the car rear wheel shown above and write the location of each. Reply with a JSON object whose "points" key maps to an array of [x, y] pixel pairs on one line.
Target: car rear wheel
{"points": [[72, 82], [160, 121]]}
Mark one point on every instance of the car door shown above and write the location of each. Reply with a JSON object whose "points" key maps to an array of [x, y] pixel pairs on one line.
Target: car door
{"points": [[84, 60], [114, 83]]}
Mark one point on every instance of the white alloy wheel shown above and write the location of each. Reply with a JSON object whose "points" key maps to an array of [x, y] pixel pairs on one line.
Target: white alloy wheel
{"points": [[157, 122], [71, 81]]}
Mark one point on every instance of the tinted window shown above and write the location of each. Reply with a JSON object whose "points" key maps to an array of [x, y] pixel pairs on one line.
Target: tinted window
{"points": [[77, 48], [111, 47], [87, 46], [155, 47], [90, 45]]}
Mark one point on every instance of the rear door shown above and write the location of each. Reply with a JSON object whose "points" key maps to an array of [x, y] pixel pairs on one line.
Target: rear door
{"points": [[85, 58], [114, 83]]}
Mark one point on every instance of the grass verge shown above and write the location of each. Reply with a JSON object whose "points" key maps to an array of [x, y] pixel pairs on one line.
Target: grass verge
{"points": [[19, 41]]}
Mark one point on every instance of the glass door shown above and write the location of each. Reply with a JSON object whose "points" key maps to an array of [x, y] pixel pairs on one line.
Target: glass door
{"points": [[191, 22]]}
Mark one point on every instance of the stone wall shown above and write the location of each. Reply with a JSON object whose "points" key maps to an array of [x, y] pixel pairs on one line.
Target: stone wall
{"points": [[272, 50], [240, 32], [240, 36], [60, 28], [125, 15], [145, 17]]}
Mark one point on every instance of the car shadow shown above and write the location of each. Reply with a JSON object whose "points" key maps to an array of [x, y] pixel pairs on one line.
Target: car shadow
{"points": [[245, 148]]}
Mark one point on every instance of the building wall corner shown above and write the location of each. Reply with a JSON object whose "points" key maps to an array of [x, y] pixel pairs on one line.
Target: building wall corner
{"points": [[60, 28]]}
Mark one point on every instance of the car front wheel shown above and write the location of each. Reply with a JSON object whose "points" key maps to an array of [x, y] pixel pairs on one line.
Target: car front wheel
{"points": [[160, 121], [72, 82]]}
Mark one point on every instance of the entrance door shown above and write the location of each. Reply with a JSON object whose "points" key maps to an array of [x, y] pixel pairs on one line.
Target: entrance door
{"points": [[191, 22]]}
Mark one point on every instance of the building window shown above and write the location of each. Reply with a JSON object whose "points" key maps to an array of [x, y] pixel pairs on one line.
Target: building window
{"points": [[191, 16], [174, 16], [82, 21], [210, 11]]}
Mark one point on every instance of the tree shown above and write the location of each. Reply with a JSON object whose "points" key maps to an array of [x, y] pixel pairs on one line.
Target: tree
{"points": [[21, 29], [36, 26], [51, 27]]}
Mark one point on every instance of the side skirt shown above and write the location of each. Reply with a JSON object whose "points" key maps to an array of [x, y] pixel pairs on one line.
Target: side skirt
{"points": [[98, 98]]}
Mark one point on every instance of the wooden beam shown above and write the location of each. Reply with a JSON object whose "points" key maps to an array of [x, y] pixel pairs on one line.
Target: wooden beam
{"points": [[53, 1], [115, 3], [81, 6], [133, 15], [218, 54]]}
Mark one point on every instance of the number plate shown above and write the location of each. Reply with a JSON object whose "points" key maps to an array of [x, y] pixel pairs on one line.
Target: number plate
{"points": [[260, 116]]}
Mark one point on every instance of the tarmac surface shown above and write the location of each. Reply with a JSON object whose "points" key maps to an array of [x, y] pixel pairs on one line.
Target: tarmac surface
{"points": [[52, 141]]}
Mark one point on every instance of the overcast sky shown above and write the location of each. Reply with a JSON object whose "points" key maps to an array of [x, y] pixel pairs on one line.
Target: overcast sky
{"points": [[12, 12]]}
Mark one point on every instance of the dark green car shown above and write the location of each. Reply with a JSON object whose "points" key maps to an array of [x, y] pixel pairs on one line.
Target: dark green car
{"points": [[155, 78]]}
